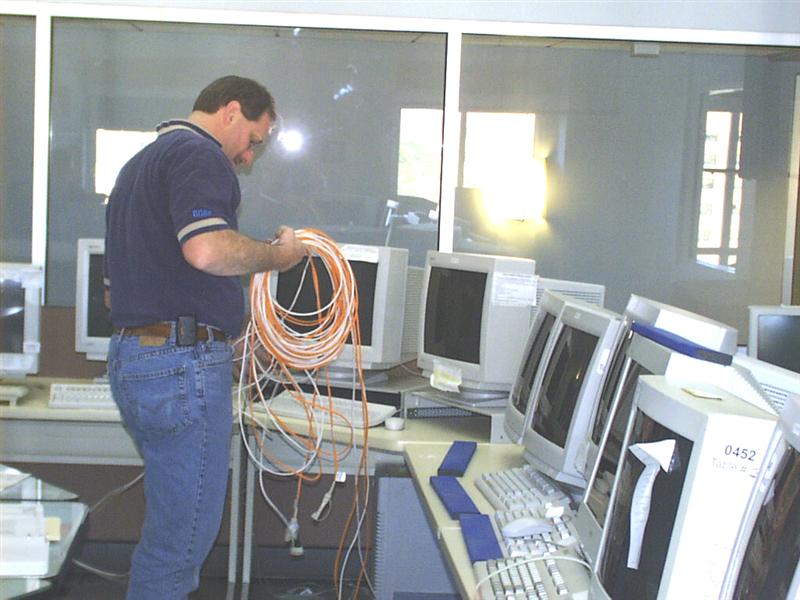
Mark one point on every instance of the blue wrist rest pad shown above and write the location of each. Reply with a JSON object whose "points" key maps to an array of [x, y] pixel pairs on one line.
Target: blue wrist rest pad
{"points": [[479, 537], [457, 458], [680, 344], [453, 496]]}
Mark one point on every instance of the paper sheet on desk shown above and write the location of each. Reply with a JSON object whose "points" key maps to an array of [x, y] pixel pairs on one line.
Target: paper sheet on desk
{"points": [[654, 456], [445, 378]]}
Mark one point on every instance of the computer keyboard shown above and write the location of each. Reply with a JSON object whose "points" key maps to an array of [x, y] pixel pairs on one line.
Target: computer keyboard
{"points": [[286, 405], [532, 577], [522, 487], [95, 396]]}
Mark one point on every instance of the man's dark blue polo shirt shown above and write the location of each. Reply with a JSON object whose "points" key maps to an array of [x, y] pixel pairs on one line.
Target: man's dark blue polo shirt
{"points": [[177, 187]]}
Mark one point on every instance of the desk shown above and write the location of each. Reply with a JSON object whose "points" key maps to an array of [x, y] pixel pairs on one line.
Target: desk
{"points": [[33, 488], [423, 460], [72, 516], [385, 446], [33, 432]]}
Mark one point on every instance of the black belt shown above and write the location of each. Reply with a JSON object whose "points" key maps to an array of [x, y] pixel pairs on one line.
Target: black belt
{"points": [[164, 330]]}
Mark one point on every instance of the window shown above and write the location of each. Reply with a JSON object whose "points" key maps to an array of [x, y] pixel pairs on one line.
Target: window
{"points": [[720, 200], [113, 148]]}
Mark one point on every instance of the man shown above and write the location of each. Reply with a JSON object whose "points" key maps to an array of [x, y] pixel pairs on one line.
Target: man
{"points": [[173, 261]]}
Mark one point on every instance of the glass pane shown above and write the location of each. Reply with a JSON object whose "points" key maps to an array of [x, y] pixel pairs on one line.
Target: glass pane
{"points": [[623, 139], [718, 138], [419, 167], [333, 165], [712, 210], [16, 137]]}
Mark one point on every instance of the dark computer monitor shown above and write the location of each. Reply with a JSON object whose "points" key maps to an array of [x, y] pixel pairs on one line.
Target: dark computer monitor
{"points": [[476, 313], [671, 526], [388, 304], [585, 341], [774, 335], [20, 313], [93, 327]]}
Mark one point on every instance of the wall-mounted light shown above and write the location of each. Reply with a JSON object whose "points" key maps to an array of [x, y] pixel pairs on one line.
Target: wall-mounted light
{"points": [[291, 140], [518, 192]]}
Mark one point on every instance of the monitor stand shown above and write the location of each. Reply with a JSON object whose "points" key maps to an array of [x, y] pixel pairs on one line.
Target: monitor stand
{"points": [[479, 398], [346, 376]]}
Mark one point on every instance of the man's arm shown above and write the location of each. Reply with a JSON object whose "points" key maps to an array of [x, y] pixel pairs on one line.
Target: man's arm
{"points": [[228, 252]]}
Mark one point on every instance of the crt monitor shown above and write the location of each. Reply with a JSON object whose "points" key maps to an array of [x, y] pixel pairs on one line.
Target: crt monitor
{"points": [[687, 470], [586, 338], [382, 277], [537, 348], [765, 559], [641, 355], [593, 293], [93, 327], [20, 312], [550, 296], [692, 326], [476, 312], [774, 335]]}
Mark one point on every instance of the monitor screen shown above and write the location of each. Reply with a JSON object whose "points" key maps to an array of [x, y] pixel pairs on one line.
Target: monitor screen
{"points": [[99, 323], [615, 372], [643, 583], [93, 327], [296, 291], [520, 395], [612, 449], [778, 340], [454, 313], [20, 313], [388, 305], [12, 316], [562, 383]]}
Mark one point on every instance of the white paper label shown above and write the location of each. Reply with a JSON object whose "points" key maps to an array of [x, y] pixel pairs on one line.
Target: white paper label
{"points": [[514, 289]]}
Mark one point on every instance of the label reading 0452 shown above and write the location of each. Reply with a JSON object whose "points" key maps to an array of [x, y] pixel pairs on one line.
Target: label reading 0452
{"points": [[742, 453]]}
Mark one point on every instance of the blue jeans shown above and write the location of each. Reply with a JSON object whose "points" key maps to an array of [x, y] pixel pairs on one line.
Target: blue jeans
{"points": [[175, 402]]}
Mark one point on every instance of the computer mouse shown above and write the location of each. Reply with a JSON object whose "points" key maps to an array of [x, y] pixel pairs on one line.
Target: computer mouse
{"points": [[525, 526], [394, 423]]}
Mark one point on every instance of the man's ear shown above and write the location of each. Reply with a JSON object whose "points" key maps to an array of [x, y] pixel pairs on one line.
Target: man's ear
{"points": [[232, 109]]}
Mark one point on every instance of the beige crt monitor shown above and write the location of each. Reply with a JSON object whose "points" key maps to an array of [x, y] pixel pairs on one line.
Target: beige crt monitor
{"points": [[688, 467]]}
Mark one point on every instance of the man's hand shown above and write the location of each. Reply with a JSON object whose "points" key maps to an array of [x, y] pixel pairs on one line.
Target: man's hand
{"points": [[291, 249]]}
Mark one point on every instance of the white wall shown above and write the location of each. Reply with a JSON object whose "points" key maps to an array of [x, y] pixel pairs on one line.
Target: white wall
{"points": [[766, 16]]}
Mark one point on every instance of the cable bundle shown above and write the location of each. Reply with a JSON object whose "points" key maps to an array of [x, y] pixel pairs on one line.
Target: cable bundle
{"points": [[329, 327], [306, 342]]}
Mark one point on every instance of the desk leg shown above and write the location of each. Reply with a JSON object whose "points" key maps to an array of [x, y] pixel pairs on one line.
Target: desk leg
{"points": [[236, 478], [497, 434], [247, 550]]}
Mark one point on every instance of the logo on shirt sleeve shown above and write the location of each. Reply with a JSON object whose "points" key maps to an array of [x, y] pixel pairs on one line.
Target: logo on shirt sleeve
{"points": [[201, 213]]}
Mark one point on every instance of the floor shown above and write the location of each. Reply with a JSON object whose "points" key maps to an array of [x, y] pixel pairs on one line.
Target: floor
{"points": [[87, 586]]}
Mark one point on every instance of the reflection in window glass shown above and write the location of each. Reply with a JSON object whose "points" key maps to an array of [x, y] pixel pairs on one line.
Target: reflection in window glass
{"points": [[16, 137], [112, 150], [718, 223], [419, 166], [332, 165], [628, 164]]}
